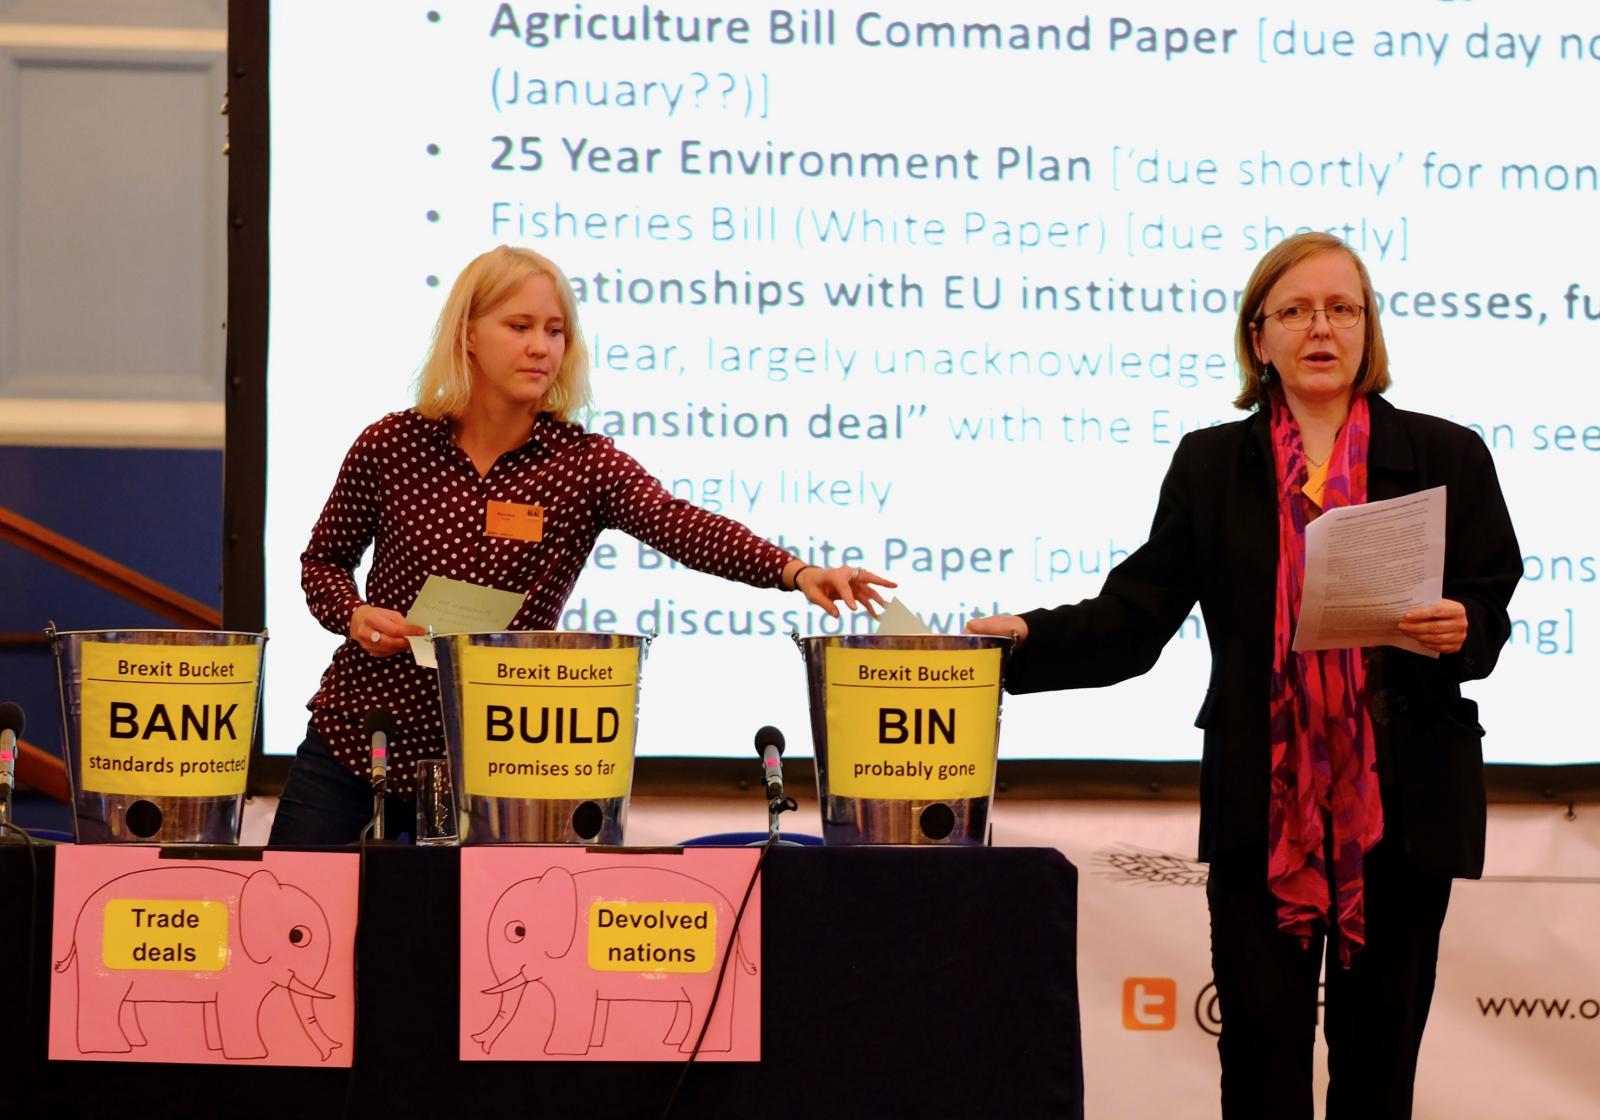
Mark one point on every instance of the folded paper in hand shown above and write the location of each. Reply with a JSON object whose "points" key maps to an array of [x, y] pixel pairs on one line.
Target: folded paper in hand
{"points": [[454, 606]]}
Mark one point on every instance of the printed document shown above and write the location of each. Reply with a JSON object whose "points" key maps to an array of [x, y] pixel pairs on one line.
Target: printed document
{"points": [[1368, 565]]}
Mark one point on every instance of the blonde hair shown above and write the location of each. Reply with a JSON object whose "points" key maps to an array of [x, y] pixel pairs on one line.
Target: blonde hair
{"points": [[445, 384], [1372, 377]]}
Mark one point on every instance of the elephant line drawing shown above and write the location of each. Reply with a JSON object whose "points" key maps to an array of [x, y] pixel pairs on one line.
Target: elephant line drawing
{"points": [[278, 937], [537, 922]]}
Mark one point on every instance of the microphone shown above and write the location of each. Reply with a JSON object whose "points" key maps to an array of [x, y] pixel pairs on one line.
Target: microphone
{"points": [[769, 745], [379, 727], [12, 721]]}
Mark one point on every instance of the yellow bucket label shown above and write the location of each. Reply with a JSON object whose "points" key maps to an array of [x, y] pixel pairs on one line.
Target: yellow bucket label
{"points": [[652, 936], [167, 935], [548, 723], [167, 721], [912, 725]]}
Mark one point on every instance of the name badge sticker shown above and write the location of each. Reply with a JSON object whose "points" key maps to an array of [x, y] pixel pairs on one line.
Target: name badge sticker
{"points": [[514, 521]]}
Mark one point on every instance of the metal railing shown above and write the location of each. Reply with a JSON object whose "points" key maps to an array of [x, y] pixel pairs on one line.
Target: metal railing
{"points": [[38, 768]]}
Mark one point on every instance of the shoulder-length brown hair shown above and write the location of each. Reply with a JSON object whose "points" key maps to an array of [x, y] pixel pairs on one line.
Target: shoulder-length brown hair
{"points": [[1372, 377], [445, 384]]}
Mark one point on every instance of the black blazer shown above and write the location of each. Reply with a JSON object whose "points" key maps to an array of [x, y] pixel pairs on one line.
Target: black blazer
{"points": [[1214, 540]]}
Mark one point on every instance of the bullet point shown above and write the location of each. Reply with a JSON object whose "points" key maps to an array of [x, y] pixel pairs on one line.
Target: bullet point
{"points": [[433, 149], [433, 17], [433, 215], [433, 281]]}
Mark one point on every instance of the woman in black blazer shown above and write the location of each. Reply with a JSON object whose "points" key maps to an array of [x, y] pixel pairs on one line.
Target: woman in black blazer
{"points": [[1340, 790]]}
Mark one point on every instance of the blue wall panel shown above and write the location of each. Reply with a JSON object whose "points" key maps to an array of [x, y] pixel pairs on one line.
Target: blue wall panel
{"points": [[158, 512]]}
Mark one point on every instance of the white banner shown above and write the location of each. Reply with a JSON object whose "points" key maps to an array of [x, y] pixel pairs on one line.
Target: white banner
{"points": [[857, 274], [1515, 1025]]}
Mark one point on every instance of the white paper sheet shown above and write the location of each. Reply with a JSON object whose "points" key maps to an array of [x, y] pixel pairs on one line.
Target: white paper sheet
{"points": [[454, 606], [897, 618], [1368, 565]]}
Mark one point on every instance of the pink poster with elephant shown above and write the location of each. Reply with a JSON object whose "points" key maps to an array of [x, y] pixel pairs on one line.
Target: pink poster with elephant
{"points": [[229, 962], [569, 954]]}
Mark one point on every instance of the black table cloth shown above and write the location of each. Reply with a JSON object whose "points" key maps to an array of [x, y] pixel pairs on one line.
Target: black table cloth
{"points": [[898, 982]]}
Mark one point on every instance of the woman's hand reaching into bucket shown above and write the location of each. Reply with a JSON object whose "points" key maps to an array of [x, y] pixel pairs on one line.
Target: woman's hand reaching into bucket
{"points": [[1011, 626], [855, 587], [379, 631]]}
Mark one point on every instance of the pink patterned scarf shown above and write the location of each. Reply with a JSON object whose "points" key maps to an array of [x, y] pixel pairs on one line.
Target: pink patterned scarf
{"points": [[1324, 766]]}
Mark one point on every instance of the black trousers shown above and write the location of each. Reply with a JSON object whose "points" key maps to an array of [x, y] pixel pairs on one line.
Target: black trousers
{"points": [[323, 803], [1373, 1012]]}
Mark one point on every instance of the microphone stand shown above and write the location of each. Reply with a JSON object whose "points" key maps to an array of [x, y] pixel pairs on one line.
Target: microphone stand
{"points": [[769, 745], [8, 781], [380, 730], [11, 723], [377, 811], [380, 784], [777, 805]]}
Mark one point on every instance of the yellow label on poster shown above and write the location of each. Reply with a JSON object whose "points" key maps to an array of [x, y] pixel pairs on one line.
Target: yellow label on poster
{"points": [[912, 725], [548, 723], [167, 934], [167, 721], [652, 936]]}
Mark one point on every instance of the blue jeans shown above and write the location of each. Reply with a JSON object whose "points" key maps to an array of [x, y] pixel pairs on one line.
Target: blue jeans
{"points": [[324, 804]]}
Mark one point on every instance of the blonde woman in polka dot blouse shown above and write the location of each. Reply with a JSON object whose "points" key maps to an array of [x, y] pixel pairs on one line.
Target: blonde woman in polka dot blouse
{"points": [[492, 423]]}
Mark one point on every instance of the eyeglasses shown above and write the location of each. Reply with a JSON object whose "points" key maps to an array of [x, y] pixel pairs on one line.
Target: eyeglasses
{"points": [[1298, 317]]}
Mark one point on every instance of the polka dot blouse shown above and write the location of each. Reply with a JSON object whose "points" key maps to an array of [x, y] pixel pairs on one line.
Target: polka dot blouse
{"points": [[406, 488]]}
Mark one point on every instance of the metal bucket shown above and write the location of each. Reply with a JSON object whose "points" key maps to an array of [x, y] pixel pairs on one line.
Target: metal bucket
{"points": [[541, 726], [156, 728], [907, 730]]}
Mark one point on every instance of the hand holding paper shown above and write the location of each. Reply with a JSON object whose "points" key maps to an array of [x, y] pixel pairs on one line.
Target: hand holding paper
{"points": [[454, 606], [379, 631], [1441, 627], [1370, 566]]}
